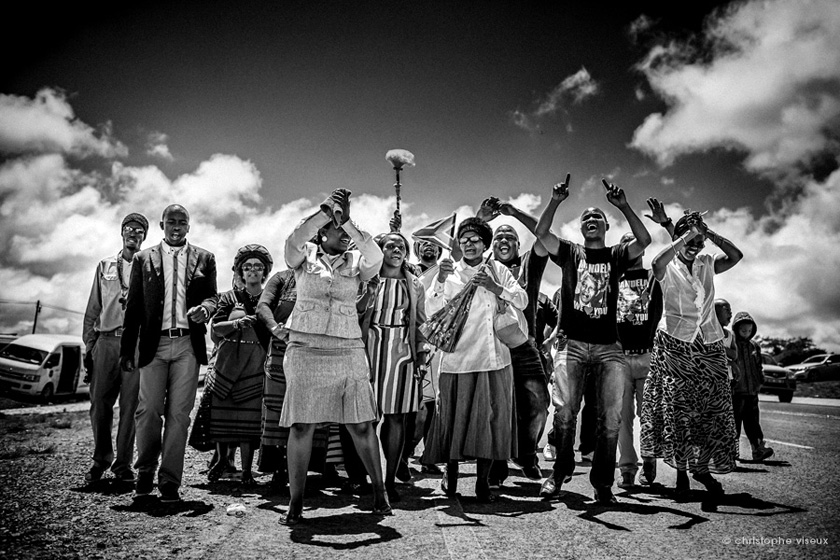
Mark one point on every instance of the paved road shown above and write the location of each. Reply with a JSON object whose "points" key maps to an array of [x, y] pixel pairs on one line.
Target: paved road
{"points": [[785, 507]]}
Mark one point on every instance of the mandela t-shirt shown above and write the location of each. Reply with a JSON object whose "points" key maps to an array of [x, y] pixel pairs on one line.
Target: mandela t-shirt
{"points": [[589, 292], [639, 309]]}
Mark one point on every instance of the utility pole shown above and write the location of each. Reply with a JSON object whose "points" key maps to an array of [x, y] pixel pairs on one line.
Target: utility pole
{"points": [[37, 311]]}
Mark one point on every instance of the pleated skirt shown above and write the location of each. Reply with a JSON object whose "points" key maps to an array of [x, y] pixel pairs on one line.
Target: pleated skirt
{"points": [[327, 380]]}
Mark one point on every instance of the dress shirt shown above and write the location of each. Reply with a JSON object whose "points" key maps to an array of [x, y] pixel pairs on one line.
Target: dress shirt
{"points": [[478, 349], [688, 299], [166, 252]]}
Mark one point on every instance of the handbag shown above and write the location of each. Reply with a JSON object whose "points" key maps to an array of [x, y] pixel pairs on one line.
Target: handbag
{"points": [[509, 322]]}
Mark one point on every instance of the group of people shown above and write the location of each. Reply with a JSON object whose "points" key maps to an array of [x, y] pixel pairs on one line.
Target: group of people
{"points": [[331, 359]]}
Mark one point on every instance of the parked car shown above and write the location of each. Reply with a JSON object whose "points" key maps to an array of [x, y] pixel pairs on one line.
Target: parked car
{"points": [[45, 365], [777, 379], [822, 367]]}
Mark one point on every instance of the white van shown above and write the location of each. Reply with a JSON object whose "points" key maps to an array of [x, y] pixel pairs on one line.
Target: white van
{"points": [[44, 364]]}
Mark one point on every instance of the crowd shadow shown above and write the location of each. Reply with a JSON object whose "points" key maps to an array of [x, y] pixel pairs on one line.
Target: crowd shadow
{"points": [[106, 487], [153, 507], [336, 531]]}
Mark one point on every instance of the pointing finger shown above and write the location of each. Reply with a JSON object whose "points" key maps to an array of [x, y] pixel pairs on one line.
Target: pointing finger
{"points": [[606, 184]]}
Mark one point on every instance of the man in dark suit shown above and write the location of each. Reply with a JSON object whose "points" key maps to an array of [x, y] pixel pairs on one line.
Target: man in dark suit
{"points": [[171, 294]]}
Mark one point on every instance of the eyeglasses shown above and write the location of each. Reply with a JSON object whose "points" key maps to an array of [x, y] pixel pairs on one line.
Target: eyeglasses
{"points": [[132, 230], [475, 240], [258, 266]]}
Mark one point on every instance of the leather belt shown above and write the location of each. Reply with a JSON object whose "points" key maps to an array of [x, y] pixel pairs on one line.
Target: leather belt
{"points": [[116, 332], [632, 352], [174, 333]]}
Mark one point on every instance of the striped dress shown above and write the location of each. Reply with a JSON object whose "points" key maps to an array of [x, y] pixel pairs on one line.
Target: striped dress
{"points": [[237, 387], [392, 367]]}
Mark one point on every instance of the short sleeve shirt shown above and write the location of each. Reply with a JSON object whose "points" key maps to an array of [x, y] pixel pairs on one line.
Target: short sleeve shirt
{"points": [[589, 292]]}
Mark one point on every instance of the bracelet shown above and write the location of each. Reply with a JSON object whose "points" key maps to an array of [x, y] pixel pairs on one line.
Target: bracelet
{"points": [[278, 326], [237, 324], [674, 244], [666, 222]]}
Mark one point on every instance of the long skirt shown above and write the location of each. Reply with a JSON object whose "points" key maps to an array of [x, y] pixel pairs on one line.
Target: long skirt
{"points": [[475, 418], [687, 414], [328, 380], [392, 367], [237, 393]]}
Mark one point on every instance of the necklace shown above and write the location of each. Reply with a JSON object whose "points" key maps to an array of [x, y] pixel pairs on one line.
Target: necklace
{"points": [[123, 285]]}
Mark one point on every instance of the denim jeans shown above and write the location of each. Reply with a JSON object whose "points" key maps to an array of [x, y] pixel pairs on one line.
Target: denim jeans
{"points": [[167, 395], [605, 364], [745, 408], [634, 387]]}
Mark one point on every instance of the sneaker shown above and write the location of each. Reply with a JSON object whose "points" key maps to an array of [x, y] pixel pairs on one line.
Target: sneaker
{"points": [[648, 472], [627, 480], [587, 457], [94, 475], [549, 488], [145, 484], [169, 493], [126, 476], [762, 453], [605, 497], [549, 452]]}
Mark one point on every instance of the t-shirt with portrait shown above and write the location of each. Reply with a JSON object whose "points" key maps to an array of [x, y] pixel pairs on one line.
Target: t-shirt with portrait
{"points": [[639, 309], [589, 292]]}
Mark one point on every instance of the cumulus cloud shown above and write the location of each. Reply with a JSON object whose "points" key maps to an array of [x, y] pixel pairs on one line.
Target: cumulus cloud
{"points": [[47, 124], [156, 146], [766, 81], [573, 89]]}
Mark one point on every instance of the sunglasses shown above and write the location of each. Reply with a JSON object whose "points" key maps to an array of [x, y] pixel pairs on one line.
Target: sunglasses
{"points": [[475, 240], [247, 267], [134, 230]]}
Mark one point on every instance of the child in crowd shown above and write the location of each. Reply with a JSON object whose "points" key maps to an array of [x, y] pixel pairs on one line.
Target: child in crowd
{"points": [[748, 379]]}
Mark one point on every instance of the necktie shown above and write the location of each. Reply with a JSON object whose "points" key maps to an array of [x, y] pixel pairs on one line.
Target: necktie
{"points": [[175, 288]]}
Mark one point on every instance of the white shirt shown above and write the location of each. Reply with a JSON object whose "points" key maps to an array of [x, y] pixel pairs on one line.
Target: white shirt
{"points": [[478, 349], [689, 300], [166, 252]]}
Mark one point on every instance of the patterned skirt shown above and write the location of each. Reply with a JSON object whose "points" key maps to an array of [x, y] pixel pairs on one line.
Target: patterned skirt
{"points": [[392, 367], [475, 418], [237, 393], [327, 380], [687, 414]]}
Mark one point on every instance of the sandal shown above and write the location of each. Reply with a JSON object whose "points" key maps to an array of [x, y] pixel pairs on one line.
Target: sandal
{"points": [[215, 473]]}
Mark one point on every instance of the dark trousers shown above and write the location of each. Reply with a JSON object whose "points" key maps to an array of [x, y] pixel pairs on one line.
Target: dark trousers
{"points": [[530, 392], [745, 408]]}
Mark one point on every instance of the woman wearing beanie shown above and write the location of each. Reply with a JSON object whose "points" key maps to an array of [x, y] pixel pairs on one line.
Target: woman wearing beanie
{"points": [[475, 418], [237, 386]]}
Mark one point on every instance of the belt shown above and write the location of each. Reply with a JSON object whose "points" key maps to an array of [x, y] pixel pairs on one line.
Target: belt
{"points": [[116, 332], [175, 333], [632, 352]]}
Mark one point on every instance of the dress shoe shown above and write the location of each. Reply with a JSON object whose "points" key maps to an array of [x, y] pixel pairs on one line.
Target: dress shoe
{"points": [[550, 488], [605, 497]]}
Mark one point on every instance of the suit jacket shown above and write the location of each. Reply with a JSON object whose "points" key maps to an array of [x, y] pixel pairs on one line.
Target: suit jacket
{"points": [[144, 304]]}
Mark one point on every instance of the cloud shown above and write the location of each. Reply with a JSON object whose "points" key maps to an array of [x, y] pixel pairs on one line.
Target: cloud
{"points": [[767, 83], [156, 146], [47, 124], [573, 89]]}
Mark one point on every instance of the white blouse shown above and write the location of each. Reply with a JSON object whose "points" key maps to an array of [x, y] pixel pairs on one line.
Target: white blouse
{"points": [[478, 349], [689, 300]]}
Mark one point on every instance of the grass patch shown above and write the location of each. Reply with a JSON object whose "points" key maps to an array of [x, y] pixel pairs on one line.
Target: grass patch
{"points": [[818, 389]]}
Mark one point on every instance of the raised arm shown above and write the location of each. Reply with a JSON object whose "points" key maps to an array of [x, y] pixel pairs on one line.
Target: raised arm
{"points": [[305, 230], [659, 216], [666, 255], [559, 193], [731, 256], [616, 197]]}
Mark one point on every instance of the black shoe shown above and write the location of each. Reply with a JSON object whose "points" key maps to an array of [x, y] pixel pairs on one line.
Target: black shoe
{"points": [[393, 495], [648, 472], [403, 473], [145, 484], [169, 493], [126, 476], [605, 497], [356, 488], [292, 518], [430, 469], [714, 487], [449, 483], [550, 488], [94, 475], [532, 472]]}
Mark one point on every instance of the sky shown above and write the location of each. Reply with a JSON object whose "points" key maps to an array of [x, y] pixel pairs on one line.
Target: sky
{"points": [[250, 113]]}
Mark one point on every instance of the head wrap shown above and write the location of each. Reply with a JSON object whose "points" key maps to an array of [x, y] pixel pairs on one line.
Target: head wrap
{"points": [[478, 226], [253, 251], [139, 218]]}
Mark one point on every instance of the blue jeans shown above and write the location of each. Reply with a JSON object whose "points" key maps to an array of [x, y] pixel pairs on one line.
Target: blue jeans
{"points": [[605, 364], [635, 375]]}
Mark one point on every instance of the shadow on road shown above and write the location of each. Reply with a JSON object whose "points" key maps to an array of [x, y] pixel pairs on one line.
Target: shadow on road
{"points": [[347, 531], [153, 507]]}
